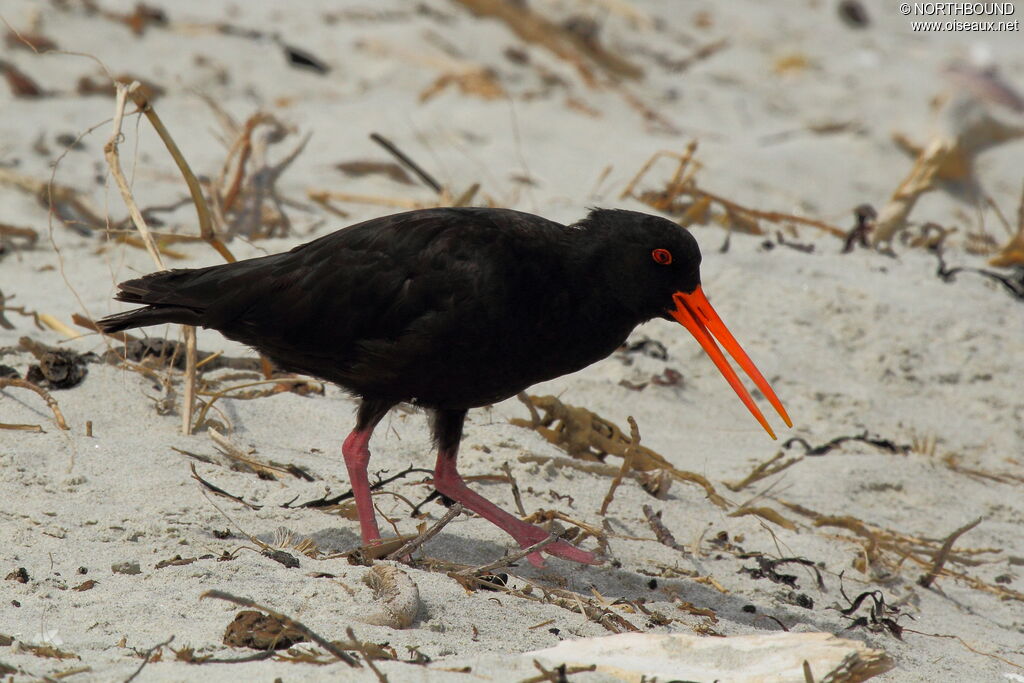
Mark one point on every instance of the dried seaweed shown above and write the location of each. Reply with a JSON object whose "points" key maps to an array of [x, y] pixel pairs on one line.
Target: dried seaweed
{"points": [[286, 621], [360, 168], [20, 83], [886, 445], [559, 674], [107, 88], [663, 535], [444, 195], [880, 618], [767, 569], [942, 556], [29, 40], [589, 437], [883, 551], [243, 195], [57, 368], [66, 203], [258, 631], [858, 236], [764, 512], [627, 465], [1013, 282]]}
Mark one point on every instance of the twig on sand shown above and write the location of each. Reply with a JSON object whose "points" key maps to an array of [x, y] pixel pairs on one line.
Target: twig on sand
{"points": [[361, 649], [517, 496], [407, 162], [145, 660], [50, 400], [288, 623], [508, 559], [407, 549], [627, 465]]}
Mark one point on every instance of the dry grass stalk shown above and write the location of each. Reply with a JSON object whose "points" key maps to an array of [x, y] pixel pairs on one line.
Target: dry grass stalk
{"points": [[203, 215], [362, 649], [114, 162], [952, 461], [682, 197], [940, 155], [588, 436], [58, 416], [1012, 253], [216, 490], [277, 382], [762, 471]]}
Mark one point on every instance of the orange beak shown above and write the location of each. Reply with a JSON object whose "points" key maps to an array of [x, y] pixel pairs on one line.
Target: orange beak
{"points": [[694, 312]]}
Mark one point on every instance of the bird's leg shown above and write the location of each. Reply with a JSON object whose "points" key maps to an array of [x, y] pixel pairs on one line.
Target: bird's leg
{"points": [[357, 456], [448, 432]]}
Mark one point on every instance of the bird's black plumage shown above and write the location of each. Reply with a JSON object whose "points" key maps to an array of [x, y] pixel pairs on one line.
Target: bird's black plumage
{"points": [[452, 309]]}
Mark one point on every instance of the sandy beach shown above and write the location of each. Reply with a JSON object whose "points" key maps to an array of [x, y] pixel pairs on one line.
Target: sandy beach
{"points": [[891, 515]]}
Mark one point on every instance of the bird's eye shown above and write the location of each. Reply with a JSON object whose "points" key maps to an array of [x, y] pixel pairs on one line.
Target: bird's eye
{"points": [[662, 256]]}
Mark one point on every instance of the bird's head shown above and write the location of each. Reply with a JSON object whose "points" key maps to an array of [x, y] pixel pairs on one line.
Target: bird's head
{"points": [[654, 266]]}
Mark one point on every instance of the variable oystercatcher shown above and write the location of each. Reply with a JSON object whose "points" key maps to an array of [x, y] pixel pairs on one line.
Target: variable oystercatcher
{"points": [[450, 309]]}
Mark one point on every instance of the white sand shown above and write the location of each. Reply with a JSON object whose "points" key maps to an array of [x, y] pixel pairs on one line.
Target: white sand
{"points": [[850, 342]]}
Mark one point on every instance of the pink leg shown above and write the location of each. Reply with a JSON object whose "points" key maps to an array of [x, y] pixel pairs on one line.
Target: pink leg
{"points": [[357, 456], [449, 483]]}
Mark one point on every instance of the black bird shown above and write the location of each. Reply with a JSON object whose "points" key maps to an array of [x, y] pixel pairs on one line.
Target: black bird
{"points": [[450, 309]]}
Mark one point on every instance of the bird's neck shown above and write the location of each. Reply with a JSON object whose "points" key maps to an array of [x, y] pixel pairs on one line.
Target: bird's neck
{"points": [[598, 276]]}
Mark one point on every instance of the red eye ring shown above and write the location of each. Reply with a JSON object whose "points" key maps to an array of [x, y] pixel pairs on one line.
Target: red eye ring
{"points": [[662, 256]]}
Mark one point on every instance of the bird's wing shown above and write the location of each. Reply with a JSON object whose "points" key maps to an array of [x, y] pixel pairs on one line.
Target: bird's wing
{"points": [[372, 299]]}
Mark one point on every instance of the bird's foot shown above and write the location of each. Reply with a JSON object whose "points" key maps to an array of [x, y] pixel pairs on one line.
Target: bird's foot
{"points": [[562, 549]]}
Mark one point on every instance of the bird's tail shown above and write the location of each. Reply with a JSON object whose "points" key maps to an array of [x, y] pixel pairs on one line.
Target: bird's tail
{"points": [[169, 298]]}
